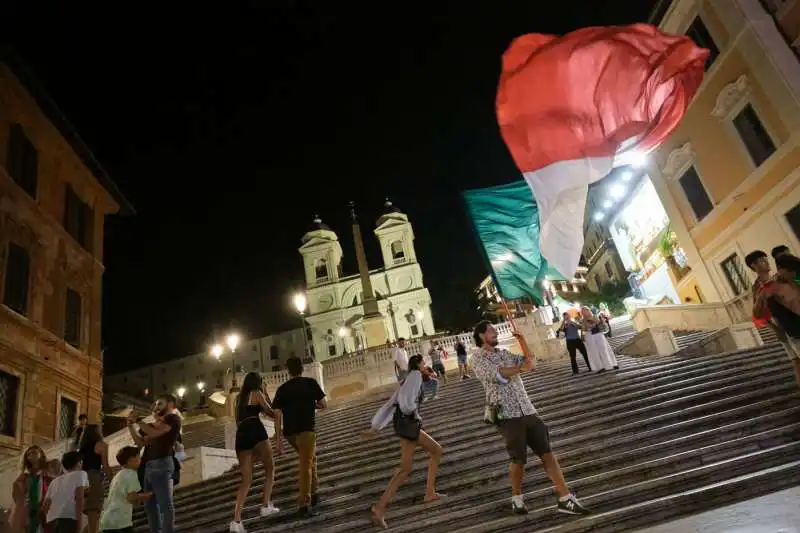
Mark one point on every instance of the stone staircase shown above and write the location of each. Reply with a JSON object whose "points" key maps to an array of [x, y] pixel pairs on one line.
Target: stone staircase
{"points": [[209, 433], [660, 438]]}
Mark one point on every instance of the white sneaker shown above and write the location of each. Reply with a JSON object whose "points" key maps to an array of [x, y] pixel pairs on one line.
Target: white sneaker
{"points": [[267, 510], [435, 397], [237, 527]]}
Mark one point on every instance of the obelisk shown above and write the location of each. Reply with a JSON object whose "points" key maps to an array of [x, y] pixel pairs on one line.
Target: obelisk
{"points": [[372, 321]]}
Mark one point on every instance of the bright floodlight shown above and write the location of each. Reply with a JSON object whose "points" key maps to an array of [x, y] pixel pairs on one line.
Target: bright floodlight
{"points": [[200, 385], [599, 216], [300, 302], [343, 332], [420, 315], [232, 341], [217, 350], [607, 204], [617, 191], [181, 391]]}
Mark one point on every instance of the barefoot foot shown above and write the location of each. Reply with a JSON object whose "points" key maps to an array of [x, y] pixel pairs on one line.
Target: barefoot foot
{"points": [[434, 497], [378, 517]]}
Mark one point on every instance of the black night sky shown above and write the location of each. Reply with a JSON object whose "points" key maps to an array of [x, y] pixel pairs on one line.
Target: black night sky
{"points": [[229, 124]]}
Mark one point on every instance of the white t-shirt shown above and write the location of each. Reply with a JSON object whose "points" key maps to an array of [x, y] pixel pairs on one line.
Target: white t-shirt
{"points": [[401, 358], [118, 511], [61, 494]]}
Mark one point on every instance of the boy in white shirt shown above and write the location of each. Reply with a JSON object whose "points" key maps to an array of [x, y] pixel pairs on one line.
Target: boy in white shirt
{"points": [[125, 490], [64, 500]]}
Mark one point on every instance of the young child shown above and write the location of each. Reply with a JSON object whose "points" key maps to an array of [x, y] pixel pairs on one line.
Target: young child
{"points": [[65, 497], [125, 490]]}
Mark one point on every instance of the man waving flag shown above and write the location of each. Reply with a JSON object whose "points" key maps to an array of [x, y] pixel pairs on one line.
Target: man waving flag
{"points": [[570, 109]]}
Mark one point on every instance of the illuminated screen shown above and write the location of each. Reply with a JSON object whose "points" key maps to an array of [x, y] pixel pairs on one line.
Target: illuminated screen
{"points": [[637, 229]]}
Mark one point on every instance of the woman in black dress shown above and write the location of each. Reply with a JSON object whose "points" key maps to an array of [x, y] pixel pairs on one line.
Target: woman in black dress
{"points": [[252, 438]]}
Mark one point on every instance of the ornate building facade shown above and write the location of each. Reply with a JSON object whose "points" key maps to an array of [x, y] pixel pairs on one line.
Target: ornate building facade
{"points": [[335, 301], [729, 177], [54, 197]]}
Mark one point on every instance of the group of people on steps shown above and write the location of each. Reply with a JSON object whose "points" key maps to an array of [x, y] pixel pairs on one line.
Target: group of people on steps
{"points": [[588, 335]]}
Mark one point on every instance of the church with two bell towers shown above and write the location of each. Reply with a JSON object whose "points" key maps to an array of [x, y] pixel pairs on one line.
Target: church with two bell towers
{"points": [[350, 313]]}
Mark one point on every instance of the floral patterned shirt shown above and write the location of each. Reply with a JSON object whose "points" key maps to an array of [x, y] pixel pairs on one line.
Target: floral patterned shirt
{"points": [[509, 394]]}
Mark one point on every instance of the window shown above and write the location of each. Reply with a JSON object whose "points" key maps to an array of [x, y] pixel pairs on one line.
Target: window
{"points": [[321, 270], [15, 289], [398, 254], [696, 193], [755, 138], [72, 318], [273, 353], [331, 349], [734, 273], [609, 271], [78, 218], [414, 330], [276, 368], [9, 389], [23, 160], [699, 34], [66, 419], [793, 218]]}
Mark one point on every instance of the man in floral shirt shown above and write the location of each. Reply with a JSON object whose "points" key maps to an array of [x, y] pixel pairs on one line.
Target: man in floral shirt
{"points": [[516, 418]]}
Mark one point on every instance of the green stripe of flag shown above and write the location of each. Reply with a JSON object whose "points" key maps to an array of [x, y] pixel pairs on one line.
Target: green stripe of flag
{"points": [[506, 221]]}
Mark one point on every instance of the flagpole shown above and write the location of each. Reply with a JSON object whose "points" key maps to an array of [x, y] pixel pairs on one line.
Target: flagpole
{"points": [[522, 344]]}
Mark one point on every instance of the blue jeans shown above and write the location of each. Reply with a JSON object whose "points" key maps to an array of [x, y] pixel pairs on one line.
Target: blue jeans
{"points": [[431, 387], [158, 479]]}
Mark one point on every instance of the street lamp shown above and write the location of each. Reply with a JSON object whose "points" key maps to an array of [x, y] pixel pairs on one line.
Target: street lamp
{"points": [[201, 386], [420, 316], [300, 303], [232, 341], [181, 392]]}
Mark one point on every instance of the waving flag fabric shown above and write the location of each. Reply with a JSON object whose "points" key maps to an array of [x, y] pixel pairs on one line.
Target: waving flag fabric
{"points": [[570, 109]]}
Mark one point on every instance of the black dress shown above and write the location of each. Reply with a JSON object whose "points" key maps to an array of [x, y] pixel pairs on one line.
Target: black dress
{"points": [[250, 430]]}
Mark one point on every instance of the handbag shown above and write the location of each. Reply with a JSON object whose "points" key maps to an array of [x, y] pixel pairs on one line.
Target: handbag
{"points": [[406, 426]]}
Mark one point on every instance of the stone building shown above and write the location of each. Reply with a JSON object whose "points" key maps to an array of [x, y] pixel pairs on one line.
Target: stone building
{"points": [[603, 264], [54, 197], [729, 177], [335, 300]]}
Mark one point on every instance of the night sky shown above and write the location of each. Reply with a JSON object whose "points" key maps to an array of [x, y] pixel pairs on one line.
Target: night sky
{"points": [[228, 128]]}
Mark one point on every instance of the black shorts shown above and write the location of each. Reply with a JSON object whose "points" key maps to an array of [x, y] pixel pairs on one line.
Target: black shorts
{"points": [[64, 525], [521, 433], [249, 433], [123, 530], [439, 369]]}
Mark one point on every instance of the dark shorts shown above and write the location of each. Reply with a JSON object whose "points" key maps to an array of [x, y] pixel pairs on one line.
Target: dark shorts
{"points": [[439, 369], [123, 530], [462, 360], [521, 433], [249, 434]]}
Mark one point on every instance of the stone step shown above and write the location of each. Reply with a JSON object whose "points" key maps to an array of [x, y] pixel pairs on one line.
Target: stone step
{"points": [[652, 385], [442, 430], [738, 406], [616, 501]]}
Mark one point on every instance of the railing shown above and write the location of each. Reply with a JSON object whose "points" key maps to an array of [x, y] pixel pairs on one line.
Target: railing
{"points": [[374, 357]]}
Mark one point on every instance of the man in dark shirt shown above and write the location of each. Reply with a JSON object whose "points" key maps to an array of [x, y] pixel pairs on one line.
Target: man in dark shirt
{"points": [[296, 402], [160, 438], [572, 332]]}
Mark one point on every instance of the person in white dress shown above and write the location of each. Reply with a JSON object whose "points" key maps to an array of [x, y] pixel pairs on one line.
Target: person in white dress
{"points": [[601, 356], [403, 409]]}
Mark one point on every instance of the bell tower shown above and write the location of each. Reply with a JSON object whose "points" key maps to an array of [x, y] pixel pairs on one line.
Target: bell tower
{"points": [[322, 254], [396, 237]]}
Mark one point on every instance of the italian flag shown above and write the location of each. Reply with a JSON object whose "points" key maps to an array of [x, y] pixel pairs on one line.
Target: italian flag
{"points": [[570, 109]]}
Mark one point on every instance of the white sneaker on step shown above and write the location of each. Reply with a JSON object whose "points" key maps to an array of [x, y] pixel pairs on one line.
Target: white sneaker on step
{"points": [[237, 527], [267, 510]]}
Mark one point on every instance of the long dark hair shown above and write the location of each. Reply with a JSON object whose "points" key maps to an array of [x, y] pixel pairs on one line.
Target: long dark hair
{"points": [[251, 383], [89, 438], [415, 363]]}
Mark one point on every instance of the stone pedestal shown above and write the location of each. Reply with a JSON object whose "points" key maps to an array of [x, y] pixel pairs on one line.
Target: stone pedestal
{"points": [[374, 330], [730, 339], [657, 340], [315, 370]]}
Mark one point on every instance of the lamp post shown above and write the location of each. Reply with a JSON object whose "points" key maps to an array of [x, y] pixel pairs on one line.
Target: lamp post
{"points": [[300, 303], [232, 341]]}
